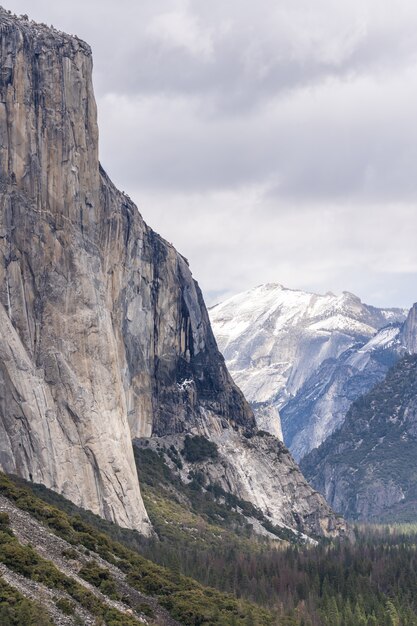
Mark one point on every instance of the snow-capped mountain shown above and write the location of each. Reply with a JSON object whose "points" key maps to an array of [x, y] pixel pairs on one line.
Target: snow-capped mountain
{"points": [[367, 468], [305, 356]]}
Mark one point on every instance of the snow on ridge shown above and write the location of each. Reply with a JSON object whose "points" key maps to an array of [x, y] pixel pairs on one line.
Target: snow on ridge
{"points": [[272, 303], [342, 323], [385, 338], [274, 339]]}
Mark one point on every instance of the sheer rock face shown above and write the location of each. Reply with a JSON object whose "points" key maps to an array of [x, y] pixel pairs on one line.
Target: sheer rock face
{"points": [[101, 321], [104, 335], [409, 331], [62, 402]]}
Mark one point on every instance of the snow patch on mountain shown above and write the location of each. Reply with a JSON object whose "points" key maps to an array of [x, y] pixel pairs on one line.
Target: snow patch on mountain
{"points": [[275, 340]]}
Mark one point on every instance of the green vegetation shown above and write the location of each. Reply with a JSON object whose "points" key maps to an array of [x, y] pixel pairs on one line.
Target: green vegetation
{"points": [[371, 582], [100, 577], [24, 560], [172, 452], [337, 584], [188, 601], [199, 448], [65, 606], [16, 610]]}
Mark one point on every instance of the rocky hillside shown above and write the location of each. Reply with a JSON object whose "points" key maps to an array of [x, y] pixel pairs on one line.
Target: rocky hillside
{"points": [[65, 566], [104, 333], [70, 568], [256, 469], [368, 468], [304, 356]]}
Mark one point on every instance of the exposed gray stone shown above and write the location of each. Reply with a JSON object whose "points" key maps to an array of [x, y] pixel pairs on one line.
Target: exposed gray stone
{"points": [[409, 331], [104, 334]]}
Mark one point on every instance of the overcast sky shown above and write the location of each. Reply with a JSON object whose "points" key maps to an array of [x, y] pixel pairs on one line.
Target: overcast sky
{"points": [[270, 141]]}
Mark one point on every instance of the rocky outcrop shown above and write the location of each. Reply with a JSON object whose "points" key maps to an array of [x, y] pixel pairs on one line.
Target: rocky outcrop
{"points": [[104, 334], [409, 331], [367, 469], [268, 418], [259, 469], [307, 355]]}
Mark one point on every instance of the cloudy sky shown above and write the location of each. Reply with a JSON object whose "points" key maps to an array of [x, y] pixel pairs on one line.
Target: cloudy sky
{"points": [[270, 141]]}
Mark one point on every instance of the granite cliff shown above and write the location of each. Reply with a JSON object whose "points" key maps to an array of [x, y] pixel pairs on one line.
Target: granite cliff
{"points": [[104, 335]]}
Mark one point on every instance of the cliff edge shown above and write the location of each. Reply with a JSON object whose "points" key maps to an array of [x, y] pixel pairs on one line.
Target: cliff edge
{"points": [[104, 335]]}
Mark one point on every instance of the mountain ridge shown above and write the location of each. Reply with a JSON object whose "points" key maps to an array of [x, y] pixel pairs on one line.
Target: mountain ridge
{"points": [[276, 339]]}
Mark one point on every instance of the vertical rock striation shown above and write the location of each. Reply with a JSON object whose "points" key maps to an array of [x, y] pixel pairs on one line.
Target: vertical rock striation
{"points": [[104, 335], [62, 402], [409, 331]]}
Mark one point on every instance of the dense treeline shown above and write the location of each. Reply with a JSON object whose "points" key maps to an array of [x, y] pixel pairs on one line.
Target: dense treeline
{"points": [[371, 582]]}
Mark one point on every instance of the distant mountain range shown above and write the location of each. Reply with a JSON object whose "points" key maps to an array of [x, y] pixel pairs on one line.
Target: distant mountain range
{"points": [[341, 378], [301, 359]]}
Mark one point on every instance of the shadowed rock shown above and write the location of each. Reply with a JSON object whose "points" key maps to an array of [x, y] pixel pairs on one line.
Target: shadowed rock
{"points": [[104, 335]]}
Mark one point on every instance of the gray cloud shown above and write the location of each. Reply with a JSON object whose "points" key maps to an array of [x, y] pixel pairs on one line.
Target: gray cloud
{"points": [[234, 53], [270, 141], [343, 140]]}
